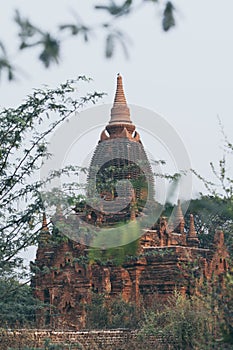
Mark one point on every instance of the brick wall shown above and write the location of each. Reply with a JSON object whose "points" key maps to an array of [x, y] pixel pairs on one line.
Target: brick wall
{"points": [[82, 340]]}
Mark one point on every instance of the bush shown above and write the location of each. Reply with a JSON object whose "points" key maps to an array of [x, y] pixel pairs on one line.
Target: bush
{"points": [[110, 314], [183, 323]]}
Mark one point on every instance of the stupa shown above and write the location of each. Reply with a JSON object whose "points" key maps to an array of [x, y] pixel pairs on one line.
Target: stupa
{"points": [[120, 183]]}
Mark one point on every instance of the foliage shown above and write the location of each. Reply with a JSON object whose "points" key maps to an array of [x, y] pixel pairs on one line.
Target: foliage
{"points": [[124, 315], [213, 213], [23, 134], [168, 16], [97, 313], [210, 213], [182, 324], [111, 314], [222, 187], [215, 210], [50, 44], [108, 176], [225, 302], [5, 64], [17, 304]]}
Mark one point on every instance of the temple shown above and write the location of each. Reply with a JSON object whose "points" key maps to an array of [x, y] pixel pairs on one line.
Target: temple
{"points": [[120, 190]]}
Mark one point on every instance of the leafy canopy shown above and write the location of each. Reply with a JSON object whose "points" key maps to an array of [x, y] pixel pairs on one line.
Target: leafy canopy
{"points": [[24, 133], [50, 44]]}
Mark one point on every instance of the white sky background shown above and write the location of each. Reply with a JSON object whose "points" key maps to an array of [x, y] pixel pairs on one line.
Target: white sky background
{"points": [[185, 75]]}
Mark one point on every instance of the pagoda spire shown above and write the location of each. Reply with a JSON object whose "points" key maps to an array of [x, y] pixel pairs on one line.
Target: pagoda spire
{"points": [[179, 219], [192, 231], [120, 111], [192, 238], [44, 223], [44, 231]]}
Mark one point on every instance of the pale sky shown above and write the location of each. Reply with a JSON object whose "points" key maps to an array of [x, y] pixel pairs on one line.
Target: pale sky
{"points": [[185, 75]]}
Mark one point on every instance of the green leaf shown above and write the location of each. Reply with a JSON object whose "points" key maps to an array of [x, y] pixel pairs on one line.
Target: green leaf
{"points": [[51, 50], [74, 29], [168, 17], [109, 46], [27, 30], [115, 10]]}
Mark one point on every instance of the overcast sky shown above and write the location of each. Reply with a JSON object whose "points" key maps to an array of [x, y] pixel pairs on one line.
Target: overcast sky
{"points": [[185, 75]]}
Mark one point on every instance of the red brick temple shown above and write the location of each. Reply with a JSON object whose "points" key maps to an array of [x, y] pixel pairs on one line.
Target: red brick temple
{"points": [[65, 277]]}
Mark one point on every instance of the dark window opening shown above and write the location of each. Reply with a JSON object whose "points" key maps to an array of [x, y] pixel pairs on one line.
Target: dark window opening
{"points": [[79, 298], [67, 307], [46, 296], [47, 311], [47, 317], [93, 216], [94, 289]]}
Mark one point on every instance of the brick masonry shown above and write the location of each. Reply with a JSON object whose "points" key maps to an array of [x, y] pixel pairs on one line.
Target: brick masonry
{"points": [[85, 340]]}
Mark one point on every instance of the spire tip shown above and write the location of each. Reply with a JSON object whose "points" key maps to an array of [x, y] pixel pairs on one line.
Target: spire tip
{"points": [[44, 223], [120, 111]]}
